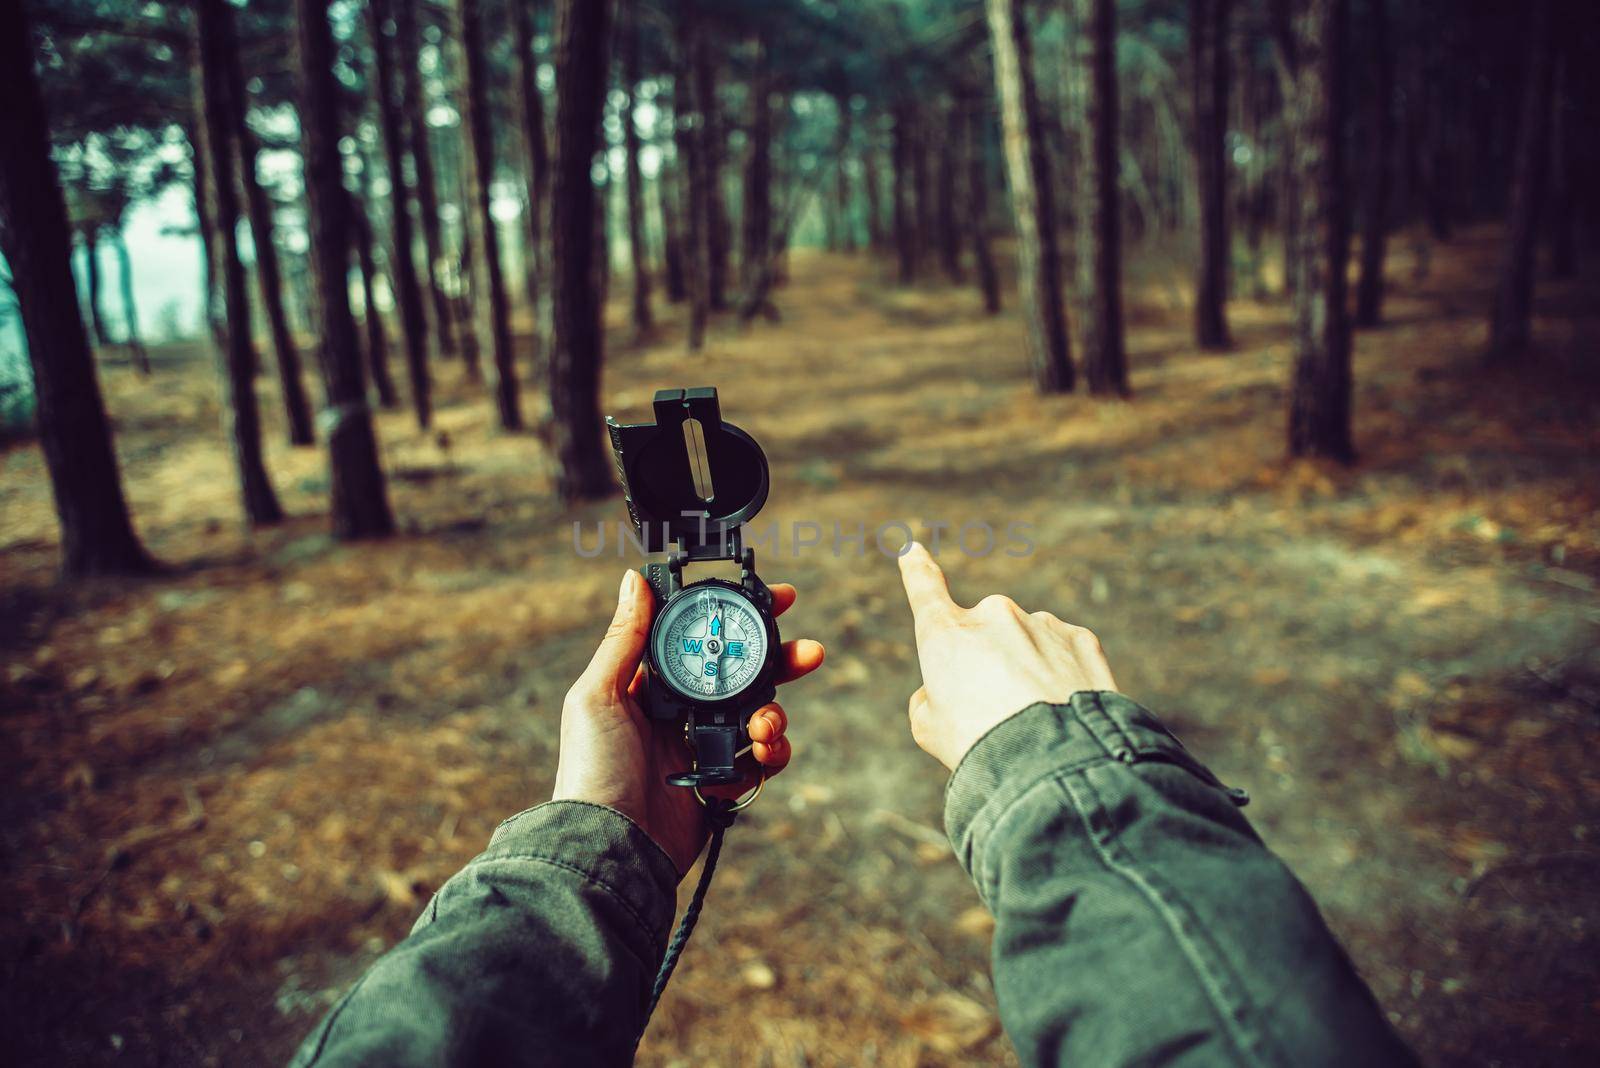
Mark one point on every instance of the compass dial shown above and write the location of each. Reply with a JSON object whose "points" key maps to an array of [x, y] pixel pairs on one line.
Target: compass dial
{"points": [[710, 643]]}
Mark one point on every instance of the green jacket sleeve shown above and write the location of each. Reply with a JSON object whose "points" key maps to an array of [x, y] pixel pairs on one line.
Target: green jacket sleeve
{"points": [[1138, 917], [541, 951]]}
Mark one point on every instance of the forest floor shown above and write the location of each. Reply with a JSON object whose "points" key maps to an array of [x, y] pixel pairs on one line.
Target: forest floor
{"points": [[231, 786]]}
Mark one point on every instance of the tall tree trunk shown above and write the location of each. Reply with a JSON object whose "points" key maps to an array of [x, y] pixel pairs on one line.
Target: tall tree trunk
{"points": [[905, 240], [691, 149], [1032, 198], [602, 230], [202, 214], [1105, 363], [756, 239], [536, 165], [668, 197], [1511, 323], [414, 104], [213, 30], [1375, 201], [947, 180], [583, 469], [1565, 148], [1318, 230], [96, 534], [371, 319], [494, 312], [130, 310], [291, 382], [360, 501], [403, 267], [925, 229], [91, 277], [847, 225], [972, 133], [637, 252], [1208, 52], [711, 139], [871, 178]]}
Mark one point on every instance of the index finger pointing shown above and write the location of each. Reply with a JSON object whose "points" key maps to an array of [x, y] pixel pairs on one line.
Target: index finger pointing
{"points": [[926, 588]]}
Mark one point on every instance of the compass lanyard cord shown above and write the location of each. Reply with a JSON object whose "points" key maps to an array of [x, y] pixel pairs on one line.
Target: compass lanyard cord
{"points": [[720, 814]]}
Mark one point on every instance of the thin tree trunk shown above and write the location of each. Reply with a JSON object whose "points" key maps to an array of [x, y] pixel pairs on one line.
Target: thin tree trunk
{"points": [[1208, 51], [472, 312], [691, 149], [213, 23], [978, 201], [1032, 198], [130, 310], [873, 180], [583, 470], [847, 228], [1375, 206], [403, 268], [536, 165], [1105, 362], [925, 228], [947, 180], [1562, 225], [668, 197], [637, 252], [91, 277], [371, 320], [1318, 231], [414, 105], [97, 535], [360, 501], [269, 278], [1511, 323], [202, 215], [711, 139], [905, 242], [756, 239]]}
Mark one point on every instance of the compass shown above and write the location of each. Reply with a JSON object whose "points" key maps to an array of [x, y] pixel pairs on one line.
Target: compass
{"points": [[691, 482]]}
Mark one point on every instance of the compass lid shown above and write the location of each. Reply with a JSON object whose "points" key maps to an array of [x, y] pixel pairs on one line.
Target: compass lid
{"points": [[690, 479]]}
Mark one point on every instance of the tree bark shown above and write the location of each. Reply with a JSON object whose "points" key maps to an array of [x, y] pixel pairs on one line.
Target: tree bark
{"points": [[905, 241], [1317, 230], [1375, 202], [1208, 52], [583, 469], [947, 180], [1105, 362], [493, 309], [371, 320], [711, 139], [91, 277], [691, 150], [130, 310], [414, 105], [536, 164], [978, 201], [756, 237], [97, 535], [1032, 198], [213, 23], [202, 214], [403, 267], [639, 255], [360, 501], [872, 179], [269, 278], [925, 227], [1511, 323], [668, 197]]}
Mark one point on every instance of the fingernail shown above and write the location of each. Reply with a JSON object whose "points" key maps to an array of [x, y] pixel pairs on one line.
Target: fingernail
{"points": [[625, 591]]}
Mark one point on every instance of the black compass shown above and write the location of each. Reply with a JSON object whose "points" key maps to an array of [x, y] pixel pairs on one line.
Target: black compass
{"points": [[691, 482]]}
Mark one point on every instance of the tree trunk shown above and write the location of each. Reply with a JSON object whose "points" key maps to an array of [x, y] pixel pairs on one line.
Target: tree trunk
{"points": [[130, 311], [711, 139], [1208, 52], [1375, 202], [1317, 231], [403, 268], [360, 501], [1105, 363], [925, 228], [91, 277], [372, 321], [847, 228], [536, 164], [291, 383], [668, 196], [756, 239], [637, 252], [213, 30], [691, 149], [97, 536], [414, 104], [948, 178], [905, 242], [1032, 198], [871, 178], [493, 309], [1565, 146], [1511, 324], [202, 215], [978, 200], [583, 469]]}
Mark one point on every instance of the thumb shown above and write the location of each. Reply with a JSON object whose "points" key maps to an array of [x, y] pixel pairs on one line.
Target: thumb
{"points": [[616, 661]]}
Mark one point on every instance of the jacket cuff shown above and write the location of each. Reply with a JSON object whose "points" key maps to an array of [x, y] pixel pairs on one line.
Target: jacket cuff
{"points": [[1043, 740], [602, 846]]}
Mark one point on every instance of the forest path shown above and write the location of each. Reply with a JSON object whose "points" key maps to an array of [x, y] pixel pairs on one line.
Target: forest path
{"points": [[235, 783]]}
